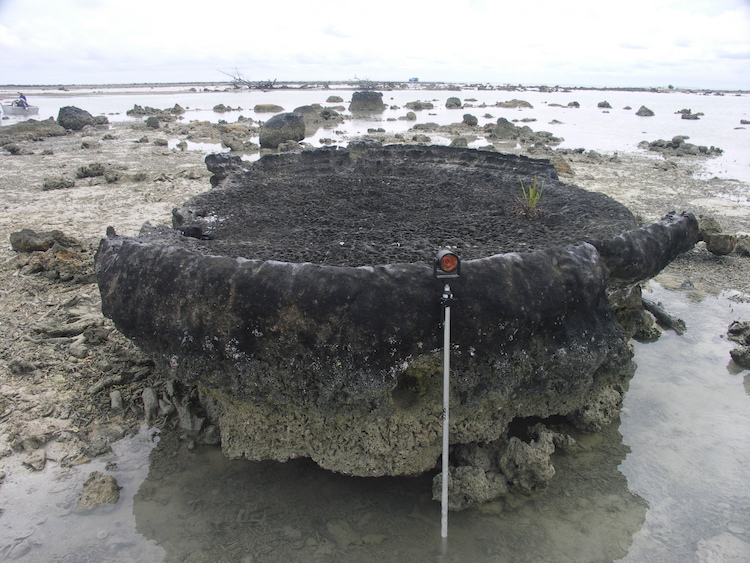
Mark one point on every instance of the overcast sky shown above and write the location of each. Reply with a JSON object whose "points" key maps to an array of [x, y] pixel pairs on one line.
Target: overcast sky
{"points": [[685, 43]]}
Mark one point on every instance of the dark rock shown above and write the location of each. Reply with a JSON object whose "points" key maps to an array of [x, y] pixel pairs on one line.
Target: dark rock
{"points": [[419, 106], [309, 330], [739, 331], [316, 116], [721, 244], [58, 183], [470, 120], [53, 255], [73, 118], [30, 130], [514, 103], [281, 128], [453, 103], [604, 105], [643, 111], [459, 142], [678, 147], [504, 130], [334, 100], [741, 356], [268, 108], [574, 105], [152, 122], [221, 165], [367, 101], [743, 246], [27, 240]]}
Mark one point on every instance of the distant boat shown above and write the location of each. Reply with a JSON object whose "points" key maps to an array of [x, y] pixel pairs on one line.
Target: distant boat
{"points": [[14, 108], [414, 79]]}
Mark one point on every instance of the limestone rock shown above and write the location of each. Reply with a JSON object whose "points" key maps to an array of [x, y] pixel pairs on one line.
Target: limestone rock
{"points": [[99, 488], [281, 128], [75, 118], [453, 103], [721, 244], [514, 103], [643, 111], [741, 356], [27, 240], [367, 101], [419, 105], [320, 338], [268, 108]]}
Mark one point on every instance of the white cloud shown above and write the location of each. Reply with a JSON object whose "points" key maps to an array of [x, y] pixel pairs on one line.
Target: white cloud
{"points": [[587, 41]]}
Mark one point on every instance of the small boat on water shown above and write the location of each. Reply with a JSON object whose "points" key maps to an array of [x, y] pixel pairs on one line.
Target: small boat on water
{"points": [[15, 108]]}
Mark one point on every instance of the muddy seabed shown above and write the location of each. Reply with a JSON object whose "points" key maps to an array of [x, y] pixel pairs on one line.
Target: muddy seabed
{"points": [[685, 420]]}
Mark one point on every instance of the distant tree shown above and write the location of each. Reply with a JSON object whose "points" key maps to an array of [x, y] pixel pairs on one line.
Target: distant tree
{"points": [[239, 81]]}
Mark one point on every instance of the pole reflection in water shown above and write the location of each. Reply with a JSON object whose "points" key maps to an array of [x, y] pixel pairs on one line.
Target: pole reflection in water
{"points": [[200, 506]]}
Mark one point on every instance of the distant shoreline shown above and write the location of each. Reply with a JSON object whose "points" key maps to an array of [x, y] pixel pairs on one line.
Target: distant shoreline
{"points": [[365, 85]]}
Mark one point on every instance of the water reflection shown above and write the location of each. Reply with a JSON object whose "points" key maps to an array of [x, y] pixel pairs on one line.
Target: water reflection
{"points": [[199, 506], [676, 488], [687, 420]]}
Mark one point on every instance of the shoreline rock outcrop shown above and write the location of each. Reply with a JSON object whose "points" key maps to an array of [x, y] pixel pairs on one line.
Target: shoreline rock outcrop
{"points": [[303, 357]]}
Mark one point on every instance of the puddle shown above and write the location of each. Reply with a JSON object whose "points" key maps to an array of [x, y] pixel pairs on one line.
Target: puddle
{"points": [[670, 482], [40, 520]]}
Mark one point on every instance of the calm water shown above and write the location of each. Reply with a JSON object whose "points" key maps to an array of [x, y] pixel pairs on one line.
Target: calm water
{"points": [[588, 127], [669, 483]]}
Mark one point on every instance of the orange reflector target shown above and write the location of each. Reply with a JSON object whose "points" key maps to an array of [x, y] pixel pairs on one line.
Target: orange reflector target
{"points": [[449, 262]]}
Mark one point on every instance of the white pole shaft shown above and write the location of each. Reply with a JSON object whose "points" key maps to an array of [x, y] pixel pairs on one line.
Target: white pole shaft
{"points": [[446, 405]]}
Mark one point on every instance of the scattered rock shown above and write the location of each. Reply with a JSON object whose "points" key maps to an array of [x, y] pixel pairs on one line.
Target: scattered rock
{"points": [[150, 404], [453, 103], [334, 100], [36, 461], [743, 246], [267, 108], [643, 111], [470, 120], [741, 356], [605, 105], [717, 242], [30, 130], [678, 147], [27, 240], [75, 119], [367, 101], [58, 183], [152, 122], [54, 255], [721, 244], [739, 331], [419, 106], [99, 488], [514, 103], [281, 128]]}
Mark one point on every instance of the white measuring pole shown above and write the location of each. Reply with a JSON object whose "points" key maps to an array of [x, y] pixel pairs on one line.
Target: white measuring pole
{"points": [[446, 408]]}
